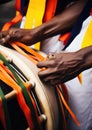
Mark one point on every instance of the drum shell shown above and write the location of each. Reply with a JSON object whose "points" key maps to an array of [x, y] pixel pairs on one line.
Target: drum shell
{"points": [[46, 94]]}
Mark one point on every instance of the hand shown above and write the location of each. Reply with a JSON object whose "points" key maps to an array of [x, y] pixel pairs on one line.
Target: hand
{"points": [[60, 67], [15, 34]]}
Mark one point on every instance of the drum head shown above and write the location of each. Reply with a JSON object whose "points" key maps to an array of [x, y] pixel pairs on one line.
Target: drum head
{"points": [[44, 94]]}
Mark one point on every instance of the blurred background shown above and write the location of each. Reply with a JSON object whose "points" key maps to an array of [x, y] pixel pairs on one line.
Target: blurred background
{"points": [[7, 11]]}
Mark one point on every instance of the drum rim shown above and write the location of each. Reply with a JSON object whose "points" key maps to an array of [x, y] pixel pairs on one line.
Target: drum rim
{"points": [[8, 50]]}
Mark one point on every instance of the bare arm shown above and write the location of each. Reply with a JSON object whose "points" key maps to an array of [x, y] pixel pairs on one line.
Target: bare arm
{"points": [[63, 22], [57, 25]]}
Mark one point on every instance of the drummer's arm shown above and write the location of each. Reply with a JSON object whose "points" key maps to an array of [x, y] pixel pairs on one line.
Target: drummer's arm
{"points": [[57, 25], [60, 23]]}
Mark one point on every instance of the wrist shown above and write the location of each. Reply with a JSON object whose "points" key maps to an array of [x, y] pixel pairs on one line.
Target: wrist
{"points": [[85, 55], [35, 35]]}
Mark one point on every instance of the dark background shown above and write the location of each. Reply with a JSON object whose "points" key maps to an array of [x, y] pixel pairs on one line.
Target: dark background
{"points": [[7, 12]]}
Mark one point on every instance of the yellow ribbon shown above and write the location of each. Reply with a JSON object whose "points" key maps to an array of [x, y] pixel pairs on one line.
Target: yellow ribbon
{"points": [[34, 16], [87, 41]]}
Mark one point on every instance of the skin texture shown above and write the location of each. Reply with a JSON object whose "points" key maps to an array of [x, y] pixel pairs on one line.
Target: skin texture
{"points": [[60, 67], [59, 24], [65, 66]]}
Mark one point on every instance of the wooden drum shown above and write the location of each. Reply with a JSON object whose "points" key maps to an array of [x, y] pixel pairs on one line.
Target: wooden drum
{"points": [[43, 95]]}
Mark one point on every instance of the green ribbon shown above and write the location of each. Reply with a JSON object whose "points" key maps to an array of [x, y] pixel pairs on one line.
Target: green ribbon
{"points": [[24, 90], [7, 117]]}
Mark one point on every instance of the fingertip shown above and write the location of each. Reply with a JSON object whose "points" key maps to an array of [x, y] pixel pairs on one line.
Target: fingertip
{"points": [[2, 41], [40, 73], [38, 65]]}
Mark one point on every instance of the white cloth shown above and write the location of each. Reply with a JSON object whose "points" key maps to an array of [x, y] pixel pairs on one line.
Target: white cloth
{"points": [[80, 95], [52, 45]]}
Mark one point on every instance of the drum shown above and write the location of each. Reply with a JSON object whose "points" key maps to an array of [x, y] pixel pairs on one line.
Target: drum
{"points": [[44, 95]]}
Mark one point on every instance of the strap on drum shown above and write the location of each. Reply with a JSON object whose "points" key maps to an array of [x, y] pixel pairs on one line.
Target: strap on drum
{"points": [[45, 93], [40, 100]]}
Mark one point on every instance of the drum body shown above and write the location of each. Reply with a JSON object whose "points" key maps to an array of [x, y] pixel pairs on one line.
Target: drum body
{"points": [[44, 94]]}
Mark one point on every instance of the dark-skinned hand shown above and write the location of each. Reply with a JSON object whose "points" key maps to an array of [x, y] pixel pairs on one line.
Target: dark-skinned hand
{"points": [[60, 67], [15, 34]]}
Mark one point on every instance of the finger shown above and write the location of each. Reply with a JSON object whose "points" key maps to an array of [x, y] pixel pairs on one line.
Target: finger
{"points": [[4, 40], [43, 73], [47, 72], [56, 78], [56, 81], [45, 63], [50, 78], [3, 34]]}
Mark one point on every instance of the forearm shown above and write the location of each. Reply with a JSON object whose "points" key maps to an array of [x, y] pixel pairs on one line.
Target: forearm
{"points": [[60, 23], [85, 55], [57, 25]]}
